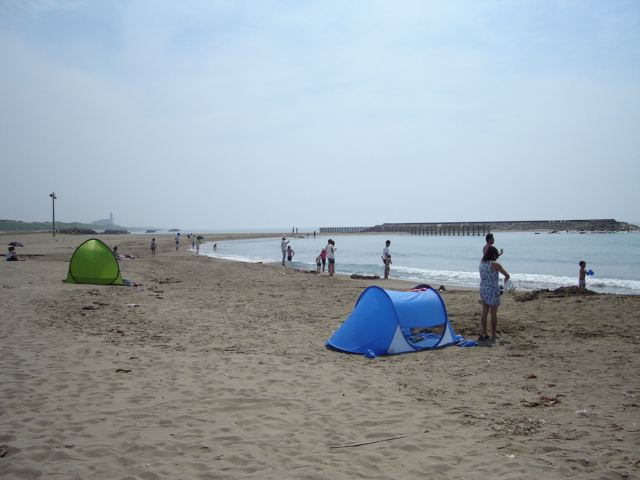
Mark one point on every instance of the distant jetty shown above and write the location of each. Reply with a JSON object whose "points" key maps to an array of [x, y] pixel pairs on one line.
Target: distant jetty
{"points": [[482, 228]]}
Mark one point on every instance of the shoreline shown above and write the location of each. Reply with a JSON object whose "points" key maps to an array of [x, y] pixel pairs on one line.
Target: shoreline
{"points": [[141, 244]]}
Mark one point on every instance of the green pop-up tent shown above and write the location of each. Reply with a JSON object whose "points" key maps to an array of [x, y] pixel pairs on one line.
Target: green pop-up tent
{"points": [[94, 262]]}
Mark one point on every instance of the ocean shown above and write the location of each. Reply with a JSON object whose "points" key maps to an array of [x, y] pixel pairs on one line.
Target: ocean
{"points": [[534, 260]]}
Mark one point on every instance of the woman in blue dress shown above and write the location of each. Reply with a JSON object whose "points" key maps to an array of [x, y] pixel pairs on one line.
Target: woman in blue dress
{"points": [[490, 291]]}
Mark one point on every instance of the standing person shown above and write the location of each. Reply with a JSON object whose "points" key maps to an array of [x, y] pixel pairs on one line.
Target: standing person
{"points": [[385, 255], [490, 291], [177, 241], [193, 241], [490, 241], [323, 258], [154, 245], [290, 253], [331, 256], [198, 246], [283, 247], [318, 262]]}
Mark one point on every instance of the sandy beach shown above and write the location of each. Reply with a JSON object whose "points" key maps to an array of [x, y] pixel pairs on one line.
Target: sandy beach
{"points": [[211, 369]]}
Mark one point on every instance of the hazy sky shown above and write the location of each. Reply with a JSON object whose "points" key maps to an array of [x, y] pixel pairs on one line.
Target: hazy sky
{"points": [[258, 114]]}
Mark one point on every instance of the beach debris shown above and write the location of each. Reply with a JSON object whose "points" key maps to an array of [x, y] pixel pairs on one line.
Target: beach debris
{"points": [[4, 450], [123, 370], [543, 401], [582, 412], [377, 441], [132, 305], [523, 346], [561, 292], [635, 464], [365, 277], [530, 376], [506, 456], [442, 288], [627, 395], [518, 426]]}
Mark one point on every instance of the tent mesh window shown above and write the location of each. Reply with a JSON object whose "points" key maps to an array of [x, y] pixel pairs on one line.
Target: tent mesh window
{"points": [[422, 334]]}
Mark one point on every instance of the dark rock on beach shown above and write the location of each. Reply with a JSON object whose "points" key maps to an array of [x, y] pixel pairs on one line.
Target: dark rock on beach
{"points": [[78, 231], [557, 293]]}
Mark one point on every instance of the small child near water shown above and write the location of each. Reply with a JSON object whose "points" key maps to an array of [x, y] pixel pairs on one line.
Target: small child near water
{"points": [[582, 282], [387, 266], [322, 258]]}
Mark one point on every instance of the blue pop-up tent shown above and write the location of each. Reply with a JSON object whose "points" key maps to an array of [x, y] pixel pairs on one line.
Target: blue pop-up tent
{"points": [[389, 322]]}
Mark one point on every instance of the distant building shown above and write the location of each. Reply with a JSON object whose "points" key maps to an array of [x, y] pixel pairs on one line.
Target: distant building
{"points": [[107, 221]]}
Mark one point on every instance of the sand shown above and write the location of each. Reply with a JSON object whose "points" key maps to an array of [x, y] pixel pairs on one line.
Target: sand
{"points": [[213, 369]]}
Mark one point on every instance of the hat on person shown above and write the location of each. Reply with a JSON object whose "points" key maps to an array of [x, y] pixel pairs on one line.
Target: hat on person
{"points": [[324, 249]]}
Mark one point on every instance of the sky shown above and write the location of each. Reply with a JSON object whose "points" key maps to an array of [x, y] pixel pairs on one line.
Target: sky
{"points": [[256, 114]]}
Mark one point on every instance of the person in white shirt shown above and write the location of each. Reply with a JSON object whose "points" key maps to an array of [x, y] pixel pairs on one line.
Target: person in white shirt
{"points": [[283, 247], [331, 248], [386, 257]]}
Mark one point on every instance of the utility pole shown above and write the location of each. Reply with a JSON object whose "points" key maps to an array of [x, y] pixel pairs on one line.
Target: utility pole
{"points": [[53, 202]]}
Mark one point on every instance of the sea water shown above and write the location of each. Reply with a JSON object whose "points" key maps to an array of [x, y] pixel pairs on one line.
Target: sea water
{"points": [[534, 260]]}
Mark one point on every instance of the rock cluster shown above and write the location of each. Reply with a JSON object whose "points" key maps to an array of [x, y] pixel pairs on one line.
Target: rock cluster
{"points": [[77, 231]]}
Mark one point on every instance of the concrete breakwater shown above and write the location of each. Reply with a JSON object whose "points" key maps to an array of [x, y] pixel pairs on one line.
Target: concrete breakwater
{"points": [[482, 228]]}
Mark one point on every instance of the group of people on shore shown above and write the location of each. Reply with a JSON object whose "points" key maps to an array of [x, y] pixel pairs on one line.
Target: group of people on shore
{"points": [[490, 289], [195, 243], [122, 256], [489, 269], [327, 255]]}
